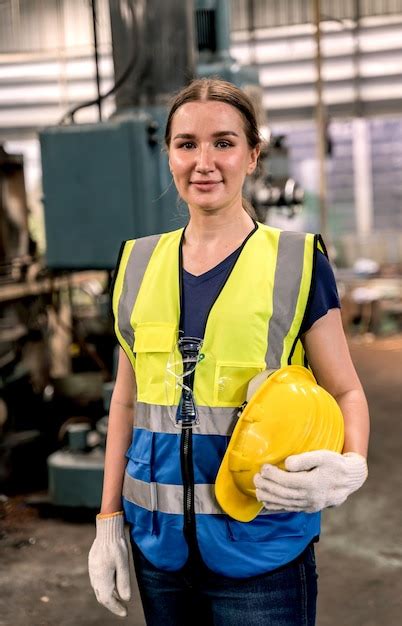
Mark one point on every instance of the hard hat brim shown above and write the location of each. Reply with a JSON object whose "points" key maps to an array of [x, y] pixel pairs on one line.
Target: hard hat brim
{"points": [[234, 502]]}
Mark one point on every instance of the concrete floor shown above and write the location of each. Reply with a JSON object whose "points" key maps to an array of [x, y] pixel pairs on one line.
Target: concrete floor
{"points": [[43, 571]]}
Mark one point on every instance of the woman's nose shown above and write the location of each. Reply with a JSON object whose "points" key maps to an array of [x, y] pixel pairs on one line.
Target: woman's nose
{"points": [[205, 162]]}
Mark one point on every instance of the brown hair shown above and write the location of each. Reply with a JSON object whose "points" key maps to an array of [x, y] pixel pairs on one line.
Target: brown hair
{"points": [[204, 89]]}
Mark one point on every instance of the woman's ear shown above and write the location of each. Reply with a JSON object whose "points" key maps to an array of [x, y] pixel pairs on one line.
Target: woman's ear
{"points": [[254, 154]]}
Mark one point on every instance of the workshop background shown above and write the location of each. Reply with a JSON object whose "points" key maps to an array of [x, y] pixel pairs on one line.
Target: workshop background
{"points": [[84, 86]]}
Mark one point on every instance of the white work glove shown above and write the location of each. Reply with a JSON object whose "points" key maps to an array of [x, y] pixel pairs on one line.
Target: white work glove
{"points": [[312, 482], [108, 564]]}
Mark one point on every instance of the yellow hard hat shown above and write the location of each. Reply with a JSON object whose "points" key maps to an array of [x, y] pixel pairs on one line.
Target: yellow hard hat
{"points": [[288, 414]]}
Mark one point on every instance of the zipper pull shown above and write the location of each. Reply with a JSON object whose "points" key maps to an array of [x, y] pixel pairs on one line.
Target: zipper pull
{"points": [[241, 408]]}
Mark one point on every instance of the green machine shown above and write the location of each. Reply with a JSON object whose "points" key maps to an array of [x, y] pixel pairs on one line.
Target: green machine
{"points": [[103, 183], [76, 472], [213, 43]]}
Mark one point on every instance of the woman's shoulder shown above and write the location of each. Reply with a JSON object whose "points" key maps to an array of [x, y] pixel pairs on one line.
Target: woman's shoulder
{"points": [[289, 235], [274, 229], [151, 239]]}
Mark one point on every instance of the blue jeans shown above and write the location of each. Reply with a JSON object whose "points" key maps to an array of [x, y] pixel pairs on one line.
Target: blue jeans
{"points": [[196, 596]]}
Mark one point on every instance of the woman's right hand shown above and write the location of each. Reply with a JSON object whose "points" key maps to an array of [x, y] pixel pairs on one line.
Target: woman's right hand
{"points": [[108, 563]]}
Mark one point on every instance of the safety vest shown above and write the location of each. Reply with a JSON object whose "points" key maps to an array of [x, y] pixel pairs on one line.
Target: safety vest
{"points": [[254, 324]]}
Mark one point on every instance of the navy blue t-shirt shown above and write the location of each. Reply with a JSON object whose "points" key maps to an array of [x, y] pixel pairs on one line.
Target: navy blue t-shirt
{"points": [[199, 293]]}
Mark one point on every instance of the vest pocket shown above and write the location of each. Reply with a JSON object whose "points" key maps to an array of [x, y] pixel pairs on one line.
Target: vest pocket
{"points": [[231, 381], [153, 345], [266, 527], [138, 487], [140, 454]]}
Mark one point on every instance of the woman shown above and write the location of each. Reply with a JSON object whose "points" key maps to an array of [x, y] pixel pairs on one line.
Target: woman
{"points": [[228, 298]]}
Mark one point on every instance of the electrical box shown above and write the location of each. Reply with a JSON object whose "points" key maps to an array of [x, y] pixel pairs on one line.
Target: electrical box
{"points": [[104, 183]]}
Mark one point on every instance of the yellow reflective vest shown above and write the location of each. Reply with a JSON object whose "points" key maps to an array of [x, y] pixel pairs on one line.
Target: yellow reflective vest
{"points": [[253, 324]]}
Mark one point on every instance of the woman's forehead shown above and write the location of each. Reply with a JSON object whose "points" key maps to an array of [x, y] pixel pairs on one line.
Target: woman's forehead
{"points": [[210, 116]]}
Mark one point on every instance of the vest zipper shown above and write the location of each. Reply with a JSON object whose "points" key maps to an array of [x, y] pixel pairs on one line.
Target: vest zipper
{"points": [[187, 470], [186, 439], [186, 442], [188, 481]]}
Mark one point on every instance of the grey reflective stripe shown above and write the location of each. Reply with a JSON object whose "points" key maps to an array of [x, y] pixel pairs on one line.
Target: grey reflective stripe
{"points": [[205, 500], [169, 498], [135, 270], [212, 421], [288, 275]]}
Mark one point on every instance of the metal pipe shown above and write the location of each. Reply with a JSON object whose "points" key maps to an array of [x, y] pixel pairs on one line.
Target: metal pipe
{"points": [[251, 31], [96, 57], [223, 28], [362, 158], [321, 125], [163, 35], [221, 9], [358, 108]]}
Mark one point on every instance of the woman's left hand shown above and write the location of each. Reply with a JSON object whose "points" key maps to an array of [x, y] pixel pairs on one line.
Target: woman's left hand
{"points": [[312, 482]]}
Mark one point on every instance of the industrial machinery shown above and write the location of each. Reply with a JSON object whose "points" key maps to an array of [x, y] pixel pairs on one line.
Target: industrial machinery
{"points": [[271, 187], [106, 182], [17, 433]]}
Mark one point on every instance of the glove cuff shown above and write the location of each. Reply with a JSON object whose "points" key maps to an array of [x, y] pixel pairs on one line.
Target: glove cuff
{"points": [[106, 515], [357, 469], [110, 529]]}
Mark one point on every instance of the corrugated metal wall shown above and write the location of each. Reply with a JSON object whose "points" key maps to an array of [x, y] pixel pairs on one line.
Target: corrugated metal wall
{"points": [[361, 69], [46, 62], [51, 25], [27, 25], [273, 13], [386, 149]]}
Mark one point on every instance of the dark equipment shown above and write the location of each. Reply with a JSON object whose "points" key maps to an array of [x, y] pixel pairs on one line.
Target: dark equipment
{"points": [[272, 187]]}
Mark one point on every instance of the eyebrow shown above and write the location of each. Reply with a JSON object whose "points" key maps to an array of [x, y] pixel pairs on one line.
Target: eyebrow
{"points": [[220, 133]]}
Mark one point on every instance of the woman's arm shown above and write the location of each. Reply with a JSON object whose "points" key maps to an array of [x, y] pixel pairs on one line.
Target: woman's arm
{"points": [[328, 355], [119, 434], [321, 478]]}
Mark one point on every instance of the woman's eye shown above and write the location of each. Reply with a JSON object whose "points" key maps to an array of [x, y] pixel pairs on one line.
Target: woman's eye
{"points": [[223, 144], [187, 145]]}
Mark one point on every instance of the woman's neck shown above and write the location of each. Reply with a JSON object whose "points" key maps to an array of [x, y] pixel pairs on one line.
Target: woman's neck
{"points": [[208, 242], [211, 229]]}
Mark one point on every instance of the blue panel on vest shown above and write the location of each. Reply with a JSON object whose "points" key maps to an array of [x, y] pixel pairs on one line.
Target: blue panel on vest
{"points": [[161, 452], [139, 455], [157, 451], [228, 547], [141, 447], [268, 527], [227, 554], [142, 518], [213, 448], [153, 531], [167, 459]]}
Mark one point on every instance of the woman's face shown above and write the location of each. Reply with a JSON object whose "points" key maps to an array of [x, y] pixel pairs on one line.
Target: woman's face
{"points": [[209, 156]]}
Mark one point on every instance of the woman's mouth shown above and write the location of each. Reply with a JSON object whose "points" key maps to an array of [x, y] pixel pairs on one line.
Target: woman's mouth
{"points": [[205, 185]]}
